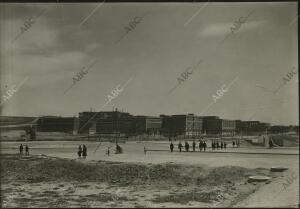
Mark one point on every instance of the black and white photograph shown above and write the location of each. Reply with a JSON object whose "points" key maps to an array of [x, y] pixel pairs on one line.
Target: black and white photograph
{"points": [[149, 104]]}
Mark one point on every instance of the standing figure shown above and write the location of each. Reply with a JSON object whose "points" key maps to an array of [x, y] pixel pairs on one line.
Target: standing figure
{"points": [[194, 146], [119, 149], [26, 150], [221, 145], [213, 145], [225, 144], [204, 146], [21, 149], [108, 151], [79, 151], [271, 143], [233, 143], [201, 145], [179, 146], [187, 146], [84, 151], [171, 146], [218, 146]]}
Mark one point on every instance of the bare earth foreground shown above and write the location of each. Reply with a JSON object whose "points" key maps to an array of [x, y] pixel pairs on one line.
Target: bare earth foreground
{"points": [[157, 179]]}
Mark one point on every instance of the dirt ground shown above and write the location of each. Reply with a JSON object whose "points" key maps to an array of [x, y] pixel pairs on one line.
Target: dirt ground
{"points": [[133, 179], [48, 182]]}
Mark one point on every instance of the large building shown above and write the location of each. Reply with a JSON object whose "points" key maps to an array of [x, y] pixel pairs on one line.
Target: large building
{"points": [[58, 124], [254, 127], [212, 125], [166, 125], [147, 124], [182, 125], [238, 126], [116, 122], [106, 122], [228, 127]]}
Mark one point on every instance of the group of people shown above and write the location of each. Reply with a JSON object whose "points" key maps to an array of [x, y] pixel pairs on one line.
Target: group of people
{"points": [[82, 151], [202, 146], [218, 145], [21, 147]]}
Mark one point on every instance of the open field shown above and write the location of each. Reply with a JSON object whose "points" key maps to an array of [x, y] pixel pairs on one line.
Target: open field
{"points": [[48, 182], [154, 179]]}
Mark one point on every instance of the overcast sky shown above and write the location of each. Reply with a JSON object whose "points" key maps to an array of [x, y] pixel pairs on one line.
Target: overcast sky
{"points": [[169, 39]]}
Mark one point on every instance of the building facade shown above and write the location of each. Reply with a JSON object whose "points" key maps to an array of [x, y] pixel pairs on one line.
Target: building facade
{"points": [[58, 124], [148, 124], [182, 125], [228, 127], [254, 127], [109, 122], [212, 125], [238, 126], [166, 126]]}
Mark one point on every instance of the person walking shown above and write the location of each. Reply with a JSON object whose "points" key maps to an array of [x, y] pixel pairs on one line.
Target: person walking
{"points": [[26, 150], [271, 143], [179, 146], [194, 146], [21, 149], [204, 146], [79, 151], [119, 149], [187, 146], [84, 151], [201, 145], [171, 146]]}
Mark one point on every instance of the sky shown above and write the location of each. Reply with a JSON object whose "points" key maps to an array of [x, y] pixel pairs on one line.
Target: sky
{"points": [[246, 49]]}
